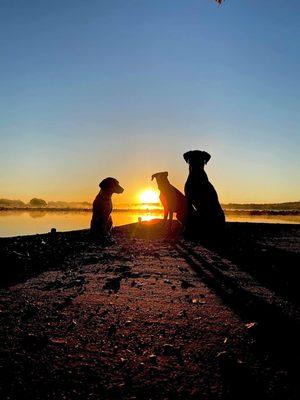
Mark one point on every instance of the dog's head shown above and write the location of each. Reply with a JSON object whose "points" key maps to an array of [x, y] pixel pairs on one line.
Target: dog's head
{"points": [[160, 177], [196, 157], [111, 185]]}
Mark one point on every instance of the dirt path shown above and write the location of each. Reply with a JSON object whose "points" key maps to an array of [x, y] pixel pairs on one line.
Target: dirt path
{"points": [[133, 320]]}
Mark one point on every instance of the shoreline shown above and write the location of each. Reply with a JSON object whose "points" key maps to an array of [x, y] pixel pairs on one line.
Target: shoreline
{"points": [[255, 224], [124, 226]]}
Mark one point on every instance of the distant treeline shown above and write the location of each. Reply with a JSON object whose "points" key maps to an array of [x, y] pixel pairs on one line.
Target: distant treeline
{"points": [[37, 203], [290, 206], [40, 203]]}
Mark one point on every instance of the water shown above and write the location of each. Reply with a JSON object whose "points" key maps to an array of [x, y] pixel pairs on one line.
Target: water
{"points": [[14, 223]]}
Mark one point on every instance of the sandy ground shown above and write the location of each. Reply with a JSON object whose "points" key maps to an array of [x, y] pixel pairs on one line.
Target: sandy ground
{"points": [[150, 316]]}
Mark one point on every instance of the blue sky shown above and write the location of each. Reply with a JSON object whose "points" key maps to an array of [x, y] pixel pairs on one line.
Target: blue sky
{"points": [[123, 88]]}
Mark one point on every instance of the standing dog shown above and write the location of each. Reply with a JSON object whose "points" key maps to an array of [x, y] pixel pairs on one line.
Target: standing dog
{"points": [[101, 222], [204, 210], [172, 199]]}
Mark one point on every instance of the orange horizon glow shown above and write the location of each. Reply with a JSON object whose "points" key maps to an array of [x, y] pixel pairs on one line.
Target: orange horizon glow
{"points": [[228, 191]]}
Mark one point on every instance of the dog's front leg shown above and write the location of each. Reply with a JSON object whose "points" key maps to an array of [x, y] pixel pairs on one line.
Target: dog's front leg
{"points": [[109, 225], [170, 220], [166, 212], [190, 216]]}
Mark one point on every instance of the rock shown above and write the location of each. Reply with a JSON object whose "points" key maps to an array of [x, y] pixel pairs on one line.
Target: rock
{"points": [[64, 303], [75, 282], [197, 301], [169, 350], [72, 325], [251, 325], [137, 284], [221, 354], [112, 284], [29, 312], [58, 341], [185, 284], [35, 342], [153, 359], [123, 269], [182, 313], [112, 330]]}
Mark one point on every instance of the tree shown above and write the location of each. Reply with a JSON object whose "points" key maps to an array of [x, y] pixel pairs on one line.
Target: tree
{"points": [[37, 202], [11, 203]]}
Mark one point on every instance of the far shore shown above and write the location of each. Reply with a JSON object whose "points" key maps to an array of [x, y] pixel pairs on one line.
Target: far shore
{"points": [[149, 210]]}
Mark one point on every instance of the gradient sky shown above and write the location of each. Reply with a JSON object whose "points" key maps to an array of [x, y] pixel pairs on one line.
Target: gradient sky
{"points": [[122, 88]]}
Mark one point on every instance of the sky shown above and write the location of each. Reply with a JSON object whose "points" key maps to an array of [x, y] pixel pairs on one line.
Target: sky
{"points": [[122, 88]]}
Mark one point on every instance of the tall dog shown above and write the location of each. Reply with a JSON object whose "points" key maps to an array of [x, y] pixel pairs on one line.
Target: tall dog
{"points": [[101, 222], [172, 199], [203, 203]]}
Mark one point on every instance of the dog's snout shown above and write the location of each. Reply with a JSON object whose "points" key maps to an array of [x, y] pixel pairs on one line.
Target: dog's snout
{"points": [[119, 189]]}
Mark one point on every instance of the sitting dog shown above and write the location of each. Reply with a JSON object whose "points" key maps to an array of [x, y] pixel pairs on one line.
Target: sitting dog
{"points": [[101, 222], [205, 213], [172, 199]]}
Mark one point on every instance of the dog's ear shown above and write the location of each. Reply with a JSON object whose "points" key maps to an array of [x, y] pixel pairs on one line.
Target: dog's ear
{"points": [[108, 183], [165, 174], [105, 184], [206, 156], [153, 176], [187, 156]]}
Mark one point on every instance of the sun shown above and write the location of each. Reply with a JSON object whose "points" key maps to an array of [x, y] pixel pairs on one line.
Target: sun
{"points": [[149, 196]]}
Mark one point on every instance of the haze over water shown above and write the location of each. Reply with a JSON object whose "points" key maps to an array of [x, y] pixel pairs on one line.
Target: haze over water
{"points": [[15, 223]]}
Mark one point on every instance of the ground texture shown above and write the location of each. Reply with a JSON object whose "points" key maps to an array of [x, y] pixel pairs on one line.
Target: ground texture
{"points": [[151, 316]]}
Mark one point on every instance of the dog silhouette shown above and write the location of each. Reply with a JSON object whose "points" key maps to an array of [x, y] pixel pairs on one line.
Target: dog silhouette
{"points": [[171, 198], [204, 210], [101, 223]]}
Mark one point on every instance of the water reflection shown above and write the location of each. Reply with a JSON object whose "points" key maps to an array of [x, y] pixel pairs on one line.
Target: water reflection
{"points": [[28, 222], [37, 214], [22, 222]]}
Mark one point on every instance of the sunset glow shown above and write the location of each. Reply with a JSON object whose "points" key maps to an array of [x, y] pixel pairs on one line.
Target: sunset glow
{"points": [[75, 103], [149, 196]]}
